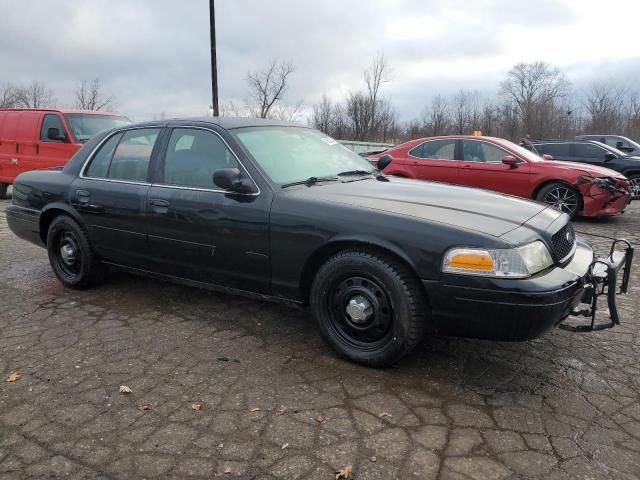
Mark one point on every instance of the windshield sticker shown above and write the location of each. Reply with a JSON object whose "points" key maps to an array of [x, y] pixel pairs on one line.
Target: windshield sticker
{"points": [[329, 140]]}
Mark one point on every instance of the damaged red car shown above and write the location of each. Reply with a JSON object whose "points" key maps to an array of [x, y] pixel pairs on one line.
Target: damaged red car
{"points": [[502, 166]]}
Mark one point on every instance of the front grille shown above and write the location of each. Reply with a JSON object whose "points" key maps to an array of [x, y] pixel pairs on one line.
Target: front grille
{"points": [[564, 241]]}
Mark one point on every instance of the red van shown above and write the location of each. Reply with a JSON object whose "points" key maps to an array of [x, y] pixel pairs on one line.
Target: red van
{"points": [[42, 139]]}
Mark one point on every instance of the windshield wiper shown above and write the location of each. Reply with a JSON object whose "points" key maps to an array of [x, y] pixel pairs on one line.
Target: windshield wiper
{"points": [[310, 181], [356, 172], [375, 173]]}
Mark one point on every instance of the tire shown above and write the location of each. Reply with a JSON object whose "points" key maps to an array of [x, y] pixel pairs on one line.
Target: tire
{"points": [[634, 180], [3, 190], [562, 197], [71, 256], [389, 309]]}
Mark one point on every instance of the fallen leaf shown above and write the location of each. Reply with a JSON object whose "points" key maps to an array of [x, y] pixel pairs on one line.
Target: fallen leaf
{"points": [[197, 406], [320, 419], [228, 470], [344, 472], [280, 412], [384, 414], [14, 376], [254, 409], [285, 446], [125, 389], [144, 408]]}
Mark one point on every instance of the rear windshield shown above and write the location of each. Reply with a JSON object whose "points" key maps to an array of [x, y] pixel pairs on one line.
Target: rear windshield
{"points": [[85, 126]]}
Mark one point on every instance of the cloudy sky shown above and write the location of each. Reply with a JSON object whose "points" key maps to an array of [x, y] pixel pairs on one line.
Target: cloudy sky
{"points": [[153, 55]]}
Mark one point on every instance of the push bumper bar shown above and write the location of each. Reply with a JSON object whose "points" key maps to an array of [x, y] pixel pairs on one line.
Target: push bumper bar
{"points": [[602, 280]]}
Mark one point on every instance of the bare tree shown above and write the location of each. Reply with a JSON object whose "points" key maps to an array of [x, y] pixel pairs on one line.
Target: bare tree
{"points": [[232, 109], [35, 95], [534, 87], [90, 97], [605, 106], [435, 118], [268, 86], [377, 74], [9, 96], [322, 115], [461, 111]]}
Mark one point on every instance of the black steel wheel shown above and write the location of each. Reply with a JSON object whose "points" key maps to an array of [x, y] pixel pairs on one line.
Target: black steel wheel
{"points": [[370, 307], [70, 254], [561, 197], [634, 180]]}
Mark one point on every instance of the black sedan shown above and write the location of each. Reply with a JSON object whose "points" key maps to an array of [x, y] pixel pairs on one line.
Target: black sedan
{"points": [[287, 213]]}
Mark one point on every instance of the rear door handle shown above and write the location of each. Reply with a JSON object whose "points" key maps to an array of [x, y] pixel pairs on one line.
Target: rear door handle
{"points": [[157, 202], [83, 196]]}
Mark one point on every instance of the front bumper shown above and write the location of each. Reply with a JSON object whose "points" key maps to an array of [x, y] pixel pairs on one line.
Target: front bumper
{"points": [[515, 309], [599, 202]]}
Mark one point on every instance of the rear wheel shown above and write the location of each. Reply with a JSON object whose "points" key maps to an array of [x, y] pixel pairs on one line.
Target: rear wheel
{"points": [[370, 307], [3, 190], [634, 180], [70, 254], [562, 197]]}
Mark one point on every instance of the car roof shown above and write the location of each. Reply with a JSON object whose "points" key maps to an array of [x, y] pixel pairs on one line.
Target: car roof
{"points": [[229, 123]]}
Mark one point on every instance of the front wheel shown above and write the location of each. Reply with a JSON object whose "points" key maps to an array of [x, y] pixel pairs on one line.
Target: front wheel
{"points": [[562, 197], [70, 254], [634, 180], [370, 307]]}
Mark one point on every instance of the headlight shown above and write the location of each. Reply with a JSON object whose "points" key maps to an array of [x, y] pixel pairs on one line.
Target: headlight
{"points": [[520, 262]]}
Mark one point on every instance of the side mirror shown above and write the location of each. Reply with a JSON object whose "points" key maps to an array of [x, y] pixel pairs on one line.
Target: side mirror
{"points": [[54, 134], [384, 161], [511, 161], [547, 157], [231, 179], [609, 156]]}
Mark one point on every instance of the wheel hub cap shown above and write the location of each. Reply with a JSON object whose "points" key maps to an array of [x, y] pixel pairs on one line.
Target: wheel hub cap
{"points": [[359, 309], [68, 253]]}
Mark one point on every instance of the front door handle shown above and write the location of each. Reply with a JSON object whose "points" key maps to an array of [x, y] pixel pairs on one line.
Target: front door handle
{"points": [[159, 205], [83, 196]]}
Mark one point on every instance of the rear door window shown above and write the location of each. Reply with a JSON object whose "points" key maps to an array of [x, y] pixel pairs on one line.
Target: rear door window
{"points": [[125, 156], [99, 165], [555, 149]]}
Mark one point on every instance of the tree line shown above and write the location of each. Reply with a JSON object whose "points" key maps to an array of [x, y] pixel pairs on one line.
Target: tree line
{"points": [[88, 95], [535, 100]]}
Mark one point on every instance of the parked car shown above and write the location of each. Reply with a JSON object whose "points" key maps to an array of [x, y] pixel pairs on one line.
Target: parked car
{"points": [[287, 213], [618, 142], [40, 139], [502, 166], [594, 153]]}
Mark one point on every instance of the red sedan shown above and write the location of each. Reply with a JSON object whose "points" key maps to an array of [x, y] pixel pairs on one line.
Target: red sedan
{"points": [[502, 166]]}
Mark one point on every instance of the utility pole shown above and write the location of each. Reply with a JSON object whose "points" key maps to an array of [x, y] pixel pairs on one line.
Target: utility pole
{"points": [[214, 66]]}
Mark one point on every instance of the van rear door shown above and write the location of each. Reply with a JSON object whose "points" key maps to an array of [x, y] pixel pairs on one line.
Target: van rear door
{"points": [[9, 148], [26, 144]]}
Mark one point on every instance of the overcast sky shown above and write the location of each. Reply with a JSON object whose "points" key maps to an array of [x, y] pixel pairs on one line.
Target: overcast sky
{"points": [[153, 56]]}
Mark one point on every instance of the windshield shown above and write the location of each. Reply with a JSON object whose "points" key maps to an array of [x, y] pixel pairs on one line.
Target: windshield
{"points": [[523, 152], [85, 126], [292, 154]]}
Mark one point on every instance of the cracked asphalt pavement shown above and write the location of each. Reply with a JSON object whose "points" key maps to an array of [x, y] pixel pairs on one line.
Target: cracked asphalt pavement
{"points": [[276, 401]]}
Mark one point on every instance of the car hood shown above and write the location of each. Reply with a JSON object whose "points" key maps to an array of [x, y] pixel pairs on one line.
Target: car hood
{"points": [[480, 210], [592, 170]]}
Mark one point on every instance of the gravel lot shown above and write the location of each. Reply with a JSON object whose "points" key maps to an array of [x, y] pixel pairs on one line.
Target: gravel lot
{"points": [[277, 403]]}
